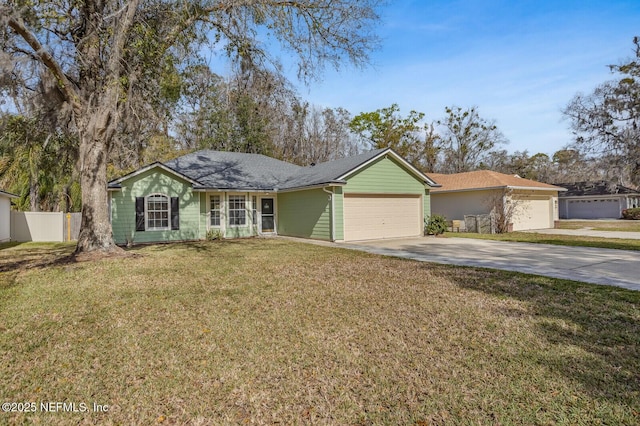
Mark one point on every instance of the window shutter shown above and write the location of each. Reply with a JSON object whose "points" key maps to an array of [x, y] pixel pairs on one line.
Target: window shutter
{"points": [[139, 213], [175, 213]]}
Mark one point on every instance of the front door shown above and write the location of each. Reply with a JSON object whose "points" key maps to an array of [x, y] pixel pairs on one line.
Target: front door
{"points": [[268, 219]]}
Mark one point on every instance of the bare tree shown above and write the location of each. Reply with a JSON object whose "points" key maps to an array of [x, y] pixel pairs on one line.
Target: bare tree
{"points": [[504, 208], [606, 123], [467, 139]]}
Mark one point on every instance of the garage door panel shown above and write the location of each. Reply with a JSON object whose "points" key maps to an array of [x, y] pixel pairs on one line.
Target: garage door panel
{"points": [[381, 216], [532, 213], [597, 208]]}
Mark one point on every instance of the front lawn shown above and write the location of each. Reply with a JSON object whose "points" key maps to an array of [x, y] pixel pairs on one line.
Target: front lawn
{"points": [[272, 331], [561, 240], [602, 225]]}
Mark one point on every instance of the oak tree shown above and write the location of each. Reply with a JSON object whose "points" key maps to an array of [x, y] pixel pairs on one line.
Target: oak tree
{"points": [[111, 58]]}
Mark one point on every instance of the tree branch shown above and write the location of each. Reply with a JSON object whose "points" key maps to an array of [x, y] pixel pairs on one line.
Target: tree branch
{"points": [[66, 87]]}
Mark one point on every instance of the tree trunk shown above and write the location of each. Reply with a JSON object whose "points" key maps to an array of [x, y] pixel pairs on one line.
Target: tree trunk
{"points": [[95, 230], [34, 195]]}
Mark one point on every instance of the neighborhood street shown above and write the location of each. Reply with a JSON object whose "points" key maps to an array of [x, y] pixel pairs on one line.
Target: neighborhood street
{"points": [[593, 265]]}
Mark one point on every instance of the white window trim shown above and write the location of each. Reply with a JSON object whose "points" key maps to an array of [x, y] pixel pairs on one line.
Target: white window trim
{"points": [[219, 210], [146, 213], [246, 213]]}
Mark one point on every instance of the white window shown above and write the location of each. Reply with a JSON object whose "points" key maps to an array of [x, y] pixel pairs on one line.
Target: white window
{"points": [[157, 212], [254, 210], [237, 210], [215, 210]]}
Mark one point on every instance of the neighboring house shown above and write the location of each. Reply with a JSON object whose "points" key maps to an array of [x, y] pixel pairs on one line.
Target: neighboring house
{"points": [[5, 215], [373, 195], [596, 200], [535, 204]]}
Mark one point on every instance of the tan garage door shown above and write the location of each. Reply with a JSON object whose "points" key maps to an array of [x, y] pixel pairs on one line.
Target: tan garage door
{"points": [[532, 213], [368, 217]]}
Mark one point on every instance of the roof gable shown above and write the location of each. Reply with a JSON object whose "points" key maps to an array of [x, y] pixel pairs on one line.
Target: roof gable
{"points": [[116, 183], [486, 179]]}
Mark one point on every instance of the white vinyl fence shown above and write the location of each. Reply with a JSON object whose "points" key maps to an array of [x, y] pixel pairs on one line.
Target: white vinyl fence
{"points": [[44, 226]]}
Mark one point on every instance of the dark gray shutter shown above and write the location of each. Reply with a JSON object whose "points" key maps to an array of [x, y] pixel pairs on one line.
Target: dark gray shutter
{"points": [[175, 213], [139, 213]]}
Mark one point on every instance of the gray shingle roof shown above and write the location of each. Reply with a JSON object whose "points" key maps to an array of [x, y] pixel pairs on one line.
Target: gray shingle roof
{"points": [[245, 172], [592, 188], [329, 171], [233, 170]]}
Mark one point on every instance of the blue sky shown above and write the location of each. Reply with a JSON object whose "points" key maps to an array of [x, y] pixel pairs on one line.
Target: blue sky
{"points": [[519, 62]]}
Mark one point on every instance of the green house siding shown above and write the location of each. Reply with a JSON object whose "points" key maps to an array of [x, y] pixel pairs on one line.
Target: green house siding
{"points": [[154, 181], [385, 176], [203, 216], [338, 216], [427, 203], [305, 214]]}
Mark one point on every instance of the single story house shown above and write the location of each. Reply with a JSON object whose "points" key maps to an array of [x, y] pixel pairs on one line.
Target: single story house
{"points": [[5, 215], [480, 192], [596, 200], [373, 195]]}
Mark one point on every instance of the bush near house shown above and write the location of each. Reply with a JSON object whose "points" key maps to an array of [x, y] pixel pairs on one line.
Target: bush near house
{"points": [[631, 214], [436, 225]]}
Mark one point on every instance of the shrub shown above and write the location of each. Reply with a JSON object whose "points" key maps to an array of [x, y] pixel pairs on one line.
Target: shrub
{"points": [[436, 225], [214, 234], [632, 214]]}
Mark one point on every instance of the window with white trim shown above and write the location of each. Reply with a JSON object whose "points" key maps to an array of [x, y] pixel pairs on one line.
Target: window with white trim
{"points": [[157, 212], [254, 210], [215, 210], [237, 210]]}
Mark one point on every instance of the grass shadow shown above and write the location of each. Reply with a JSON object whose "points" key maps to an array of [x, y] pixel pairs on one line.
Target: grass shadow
{"points": [[35, 255], [602, 321]]}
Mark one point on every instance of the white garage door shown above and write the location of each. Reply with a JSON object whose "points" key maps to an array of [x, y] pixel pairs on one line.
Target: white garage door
{"points": [[368, 217], [532, 213], [595, 208]]}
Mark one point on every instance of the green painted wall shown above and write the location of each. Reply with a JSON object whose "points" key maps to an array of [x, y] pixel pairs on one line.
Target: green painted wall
{"points": [[427, 203], [203, 215], [304, 214], [338, 217], [385, 176], [154, 181]]}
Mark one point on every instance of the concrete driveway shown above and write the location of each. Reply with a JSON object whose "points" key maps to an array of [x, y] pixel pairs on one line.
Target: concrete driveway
{"points": [[593, 265]]}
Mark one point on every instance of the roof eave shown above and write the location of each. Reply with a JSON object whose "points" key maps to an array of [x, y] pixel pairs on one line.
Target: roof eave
{"points": [[151, 166], [9, 194], [487, 188], [313, 186]]}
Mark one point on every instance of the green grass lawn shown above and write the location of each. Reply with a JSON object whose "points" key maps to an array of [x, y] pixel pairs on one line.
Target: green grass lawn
{"points": [[562, 240], [602, 225], [272, 331]]}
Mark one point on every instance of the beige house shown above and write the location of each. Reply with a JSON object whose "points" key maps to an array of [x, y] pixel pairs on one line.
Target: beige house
{"points": [[530, 204], [5, 215]]}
